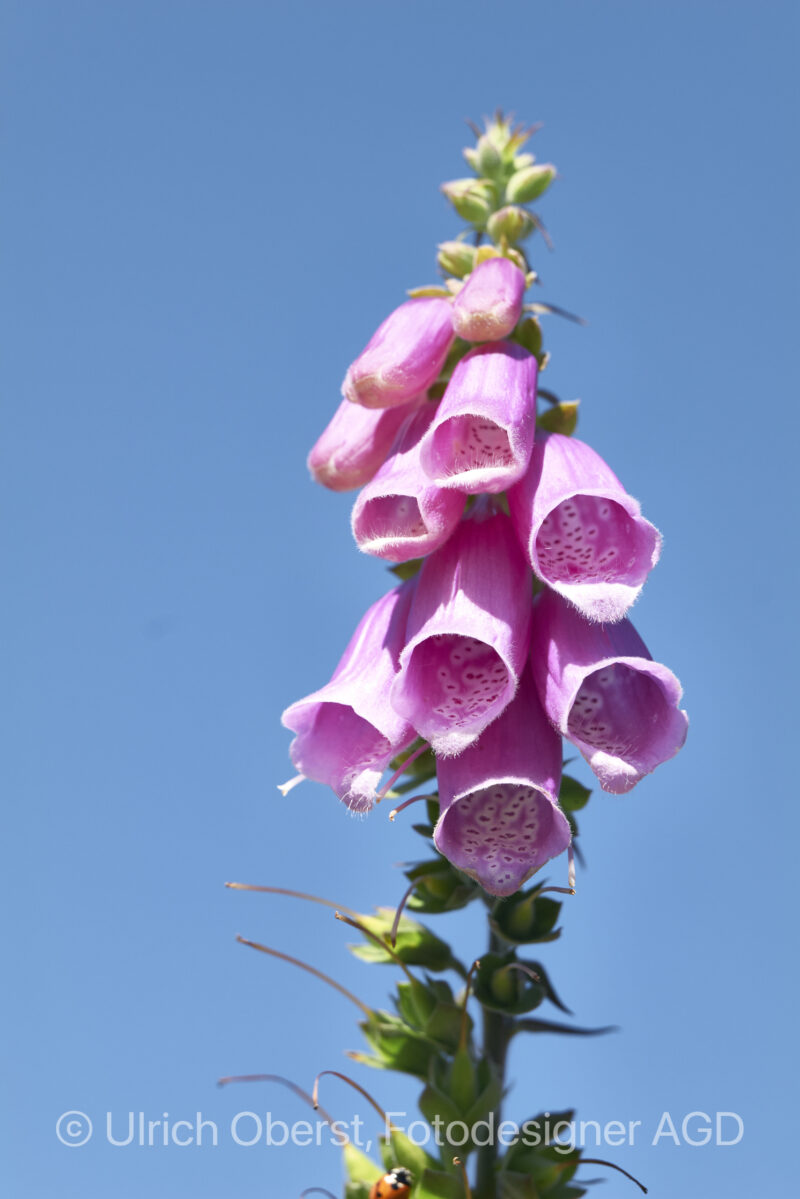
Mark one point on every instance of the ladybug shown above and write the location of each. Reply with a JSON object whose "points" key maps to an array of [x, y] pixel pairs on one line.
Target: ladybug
{"points": [[394, 1185]]}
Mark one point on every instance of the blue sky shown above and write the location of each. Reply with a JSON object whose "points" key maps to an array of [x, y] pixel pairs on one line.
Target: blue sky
{"points": [[208, 208]]}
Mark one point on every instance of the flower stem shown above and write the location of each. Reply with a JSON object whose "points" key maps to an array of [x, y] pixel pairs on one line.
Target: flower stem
{"points": [[496, 1037]]}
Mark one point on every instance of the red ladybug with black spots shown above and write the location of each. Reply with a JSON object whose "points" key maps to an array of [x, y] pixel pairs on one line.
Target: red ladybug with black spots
{"points": [[394, 1185]]}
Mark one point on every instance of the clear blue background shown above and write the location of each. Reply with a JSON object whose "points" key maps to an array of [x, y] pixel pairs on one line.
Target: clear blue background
{"points": [[208, 207]]}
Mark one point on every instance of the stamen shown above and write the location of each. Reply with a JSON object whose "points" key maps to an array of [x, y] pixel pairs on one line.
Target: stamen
{"points": [[328, 903], [400, 770], [458, 1162], [285, 788], [285, 1082], [571, 868], [406, 896], [596, 1161], [356, 1087], [407, 803], [284, 957]]}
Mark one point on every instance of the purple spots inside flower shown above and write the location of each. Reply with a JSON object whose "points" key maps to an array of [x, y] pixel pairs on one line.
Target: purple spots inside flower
{"points": [[499, 834], [617, 710], [591, 539], [461, 684], [467, 444]]}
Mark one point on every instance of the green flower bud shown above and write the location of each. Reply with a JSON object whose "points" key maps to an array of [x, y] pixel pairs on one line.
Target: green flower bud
{"points": [[473, 199], [529, 183], [456, 257], [511, 222], [489, 159]]}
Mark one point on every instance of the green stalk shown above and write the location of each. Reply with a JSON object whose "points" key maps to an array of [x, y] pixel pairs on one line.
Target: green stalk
{"points": [[496, 1038]]}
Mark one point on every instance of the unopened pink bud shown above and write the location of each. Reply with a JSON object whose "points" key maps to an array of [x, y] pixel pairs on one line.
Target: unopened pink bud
{"points": [[404, 356], [490, 303]]}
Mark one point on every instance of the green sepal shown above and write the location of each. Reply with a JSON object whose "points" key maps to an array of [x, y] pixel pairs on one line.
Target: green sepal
{"points": [[406, 570], [560, 418], [503, 990], [416, 945], [549, 990], [444, 1025], [463, 1081], [526, 918], [429, 290], [435, 1103], [436, 1184], [536, 1160], [441, 888], [528, 334], [511, 1185], [399, 1150], [489, 1095], [456, 257], [573, 795], [396, 1046]]}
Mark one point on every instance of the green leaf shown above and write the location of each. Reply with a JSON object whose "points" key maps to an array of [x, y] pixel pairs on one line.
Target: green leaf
{"points": [[561, 418], [533, 1025], [435, 1184], [549, 989], [400, 1150], [573, 795], [511, 1185], [358, 1167]]}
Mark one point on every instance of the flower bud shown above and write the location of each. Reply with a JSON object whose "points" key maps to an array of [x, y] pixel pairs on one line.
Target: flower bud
{"points": [[473, 199], [456, 257], [529, 183], [511, 222], [488, 157], [490, 303], [403, 357]]}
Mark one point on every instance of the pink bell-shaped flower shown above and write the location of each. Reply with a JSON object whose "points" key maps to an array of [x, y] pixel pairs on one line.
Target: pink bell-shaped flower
{"points": [[584, 535], [604, 693], [401, 514], [499, 817], [348, 731], [468, 634], [482, 436]]}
